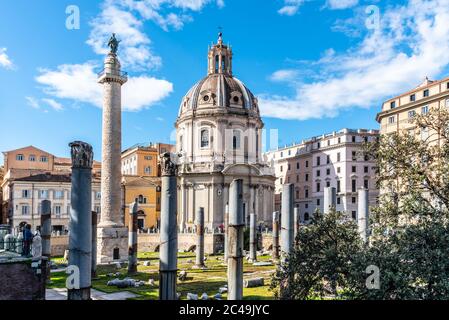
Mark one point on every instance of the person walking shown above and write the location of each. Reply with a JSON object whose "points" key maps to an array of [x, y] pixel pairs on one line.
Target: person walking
{"points": [[27, 240]]}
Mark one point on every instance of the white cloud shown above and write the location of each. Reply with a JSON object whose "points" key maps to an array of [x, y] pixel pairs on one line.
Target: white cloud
{"points": [[126, 18], [72, 81], [135, 52], [284, 75], [341, 4], [412, 42], [78, 82], [291, 7], [141, 92], [54, 104], [5, 61], [33, 102]]}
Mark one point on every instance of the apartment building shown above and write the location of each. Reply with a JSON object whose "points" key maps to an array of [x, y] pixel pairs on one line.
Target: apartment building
{"points": [[398, 112], [330, 160], [25, 196], [141, 182], [32, 175]]}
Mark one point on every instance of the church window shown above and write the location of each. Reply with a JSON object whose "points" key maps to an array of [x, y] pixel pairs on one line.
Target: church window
{"points": [[216, 64], [236, 140], [223, 63], [205, 138], [236, 99], [206, 98]]}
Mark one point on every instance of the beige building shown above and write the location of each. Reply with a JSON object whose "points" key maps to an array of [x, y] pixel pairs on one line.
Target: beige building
{"points": [[25, 195], [147, 192], [29, 158], [32, 175], [330, 160], [141, 181], [34, 159], [143, 160], [398, 112]]}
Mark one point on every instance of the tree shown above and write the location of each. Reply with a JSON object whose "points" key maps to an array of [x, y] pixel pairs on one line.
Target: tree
{"points": [[321, 260], [409, 241], [410, 227]]}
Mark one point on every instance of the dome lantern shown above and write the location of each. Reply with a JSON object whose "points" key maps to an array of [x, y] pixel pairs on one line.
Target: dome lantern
{"points": [[220, 58], [219, 90]]}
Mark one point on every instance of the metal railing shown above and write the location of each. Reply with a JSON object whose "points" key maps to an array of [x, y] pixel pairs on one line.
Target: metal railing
{"points": [[121, 74], [18, 246]]}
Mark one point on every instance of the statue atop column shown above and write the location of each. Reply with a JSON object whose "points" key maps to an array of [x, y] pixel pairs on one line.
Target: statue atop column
{"points": [[113, 44]]}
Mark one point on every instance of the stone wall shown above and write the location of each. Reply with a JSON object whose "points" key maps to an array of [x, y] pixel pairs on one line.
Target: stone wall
{"points": [[22, 279], [213, 243], [58, 245], [267, 241]]}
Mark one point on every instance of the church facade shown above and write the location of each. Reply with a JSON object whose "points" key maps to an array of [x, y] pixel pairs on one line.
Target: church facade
{"points": [[219, 139]]}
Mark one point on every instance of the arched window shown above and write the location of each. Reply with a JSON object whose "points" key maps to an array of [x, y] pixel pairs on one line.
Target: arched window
{"points": [[217, 63], [205, 138], [236, 140], [306, 216], [223, 63]]}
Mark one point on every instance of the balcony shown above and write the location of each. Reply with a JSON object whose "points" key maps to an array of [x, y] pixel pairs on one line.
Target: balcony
{"points": [[121, 74]]}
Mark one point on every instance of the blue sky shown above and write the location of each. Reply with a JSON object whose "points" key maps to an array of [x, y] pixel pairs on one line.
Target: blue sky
{"points": [[316, 65]]}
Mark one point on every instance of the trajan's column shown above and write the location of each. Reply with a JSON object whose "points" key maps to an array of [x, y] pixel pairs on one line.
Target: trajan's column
{"points": [[112, 235]]}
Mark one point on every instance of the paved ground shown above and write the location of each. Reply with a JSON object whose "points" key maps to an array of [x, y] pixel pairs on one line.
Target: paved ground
{"points": [[61, 294]]}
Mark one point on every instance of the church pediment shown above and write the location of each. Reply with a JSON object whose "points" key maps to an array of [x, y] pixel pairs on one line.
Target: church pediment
{"points": [[241, 169]]}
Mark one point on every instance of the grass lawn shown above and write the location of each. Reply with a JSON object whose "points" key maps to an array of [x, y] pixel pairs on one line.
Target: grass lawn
{"points": [[198, 281]]}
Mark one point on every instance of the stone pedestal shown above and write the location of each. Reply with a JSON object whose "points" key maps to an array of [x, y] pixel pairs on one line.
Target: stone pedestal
{"points": [[112, 244]]}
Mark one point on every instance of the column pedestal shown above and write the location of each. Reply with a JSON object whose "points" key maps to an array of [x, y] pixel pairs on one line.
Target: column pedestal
{"points": [[112, 244]]}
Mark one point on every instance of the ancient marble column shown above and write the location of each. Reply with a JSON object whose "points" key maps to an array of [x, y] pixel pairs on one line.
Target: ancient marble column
{"points": [[235, 241], [94, 243], [132, 238], [252, 238], [46, 228], [80, 237], [287, 219], [184, 208], [200, 239], [296, 221], [330, 199], [112, 234], [46, 233], [275, 253], [226, 223], [169, 231], [363, 213]]}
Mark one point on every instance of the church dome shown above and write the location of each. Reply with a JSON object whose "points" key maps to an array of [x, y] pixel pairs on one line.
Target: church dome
{"points": [[219, 90]]}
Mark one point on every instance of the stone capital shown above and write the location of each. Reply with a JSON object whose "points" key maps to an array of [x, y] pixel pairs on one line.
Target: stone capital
{"points": [[82, 155]]}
